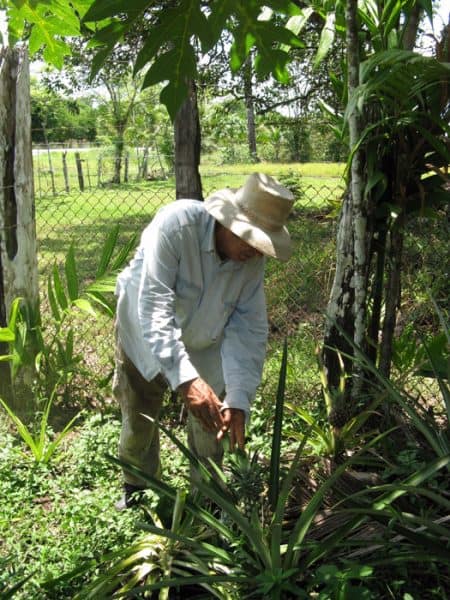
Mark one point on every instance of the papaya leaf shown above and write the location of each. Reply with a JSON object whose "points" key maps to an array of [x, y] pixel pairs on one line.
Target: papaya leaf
{"points": [[103, 9]]}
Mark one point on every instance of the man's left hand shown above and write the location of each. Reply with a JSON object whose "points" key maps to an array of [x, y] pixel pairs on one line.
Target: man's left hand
{"points": [[234, 422]]}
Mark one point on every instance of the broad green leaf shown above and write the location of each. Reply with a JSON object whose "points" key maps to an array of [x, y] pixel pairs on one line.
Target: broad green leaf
{"points": [[326, 39], [173, 96], [390, 15], [174, 66], [221, 11], [14, 313], [273, 62], [85, 306], [109, 35], [98, 61], [103, 9], [71, 274], [240, 49], [7, 335], [297, 22]]}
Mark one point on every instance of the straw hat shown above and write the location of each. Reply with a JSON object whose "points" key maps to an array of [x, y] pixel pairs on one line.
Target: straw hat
{"points": [[257, 213]]}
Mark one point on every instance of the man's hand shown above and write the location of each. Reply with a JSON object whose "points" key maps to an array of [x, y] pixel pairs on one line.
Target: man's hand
{"points": [[234, 422], [203, 403]]}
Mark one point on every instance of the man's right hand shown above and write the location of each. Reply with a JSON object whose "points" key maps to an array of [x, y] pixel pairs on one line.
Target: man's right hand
{"points": [[203, 403]]}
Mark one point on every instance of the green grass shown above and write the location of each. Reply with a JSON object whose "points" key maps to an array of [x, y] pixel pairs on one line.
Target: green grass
{"points": [[60, 516]]}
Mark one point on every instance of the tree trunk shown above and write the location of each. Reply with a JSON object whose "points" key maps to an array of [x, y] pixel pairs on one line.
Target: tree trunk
{"points": [[359, 209], [393, 288], [187, 148], [250, 108], [340, 304], [119, 144], [18, 253], [346, 309]]}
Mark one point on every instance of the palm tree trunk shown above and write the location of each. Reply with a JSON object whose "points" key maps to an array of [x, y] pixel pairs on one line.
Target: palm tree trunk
{"points": [[340, 304]]}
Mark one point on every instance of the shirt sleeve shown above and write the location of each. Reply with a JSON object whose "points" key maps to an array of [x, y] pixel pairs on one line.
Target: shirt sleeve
{"points": [[156, 305], [244, 344]]}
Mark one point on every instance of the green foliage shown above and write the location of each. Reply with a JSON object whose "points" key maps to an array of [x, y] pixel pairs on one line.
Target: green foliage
{"points": [[42, 446], [52, 353], [59, 515], [47, 23], [57, 118], [170, 50]]}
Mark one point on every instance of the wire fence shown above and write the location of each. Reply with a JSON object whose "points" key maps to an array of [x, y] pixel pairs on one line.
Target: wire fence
{"points": [[77, 202]]}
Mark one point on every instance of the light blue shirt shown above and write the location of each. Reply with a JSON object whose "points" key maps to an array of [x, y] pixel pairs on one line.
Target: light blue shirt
{"points": [[184, 312]]}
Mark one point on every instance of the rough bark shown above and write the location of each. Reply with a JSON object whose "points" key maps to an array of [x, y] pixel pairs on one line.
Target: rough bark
{"points": [[340, 304], [359, 214], [347, 305], [18, 252], [187, 148]]}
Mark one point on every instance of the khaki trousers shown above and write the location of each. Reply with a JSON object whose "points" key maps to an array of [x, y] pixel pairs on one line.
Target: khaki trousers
{"points": [[139, 437]]}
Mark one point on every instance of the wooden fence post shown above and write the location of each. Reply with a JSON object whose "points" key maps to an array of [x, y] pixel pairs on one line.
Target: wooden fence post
{"points": [[99, 171], [79, 171], [18, 252], [65, 171], [126, 165]]}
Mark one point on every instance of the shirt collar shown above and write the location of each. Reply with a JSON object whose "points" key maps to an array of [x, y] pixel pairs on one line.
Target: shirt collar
{"points": [[209, 243]]}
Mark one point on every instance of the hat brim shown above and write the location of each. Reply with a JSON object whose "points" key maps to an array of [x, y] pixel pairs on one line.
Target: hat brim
{"points": [[223, 207]]}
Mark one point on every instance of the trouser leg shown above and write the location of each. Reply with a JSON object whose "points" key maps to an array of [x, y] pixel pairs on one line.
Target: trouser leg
{"points": [[139, 437], [204, 445]]}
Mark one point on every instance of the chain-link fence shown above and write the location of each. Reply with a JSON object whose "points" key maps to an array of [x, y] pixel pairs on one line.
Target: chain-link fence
{"points": [[74, 206], [77, 202]]}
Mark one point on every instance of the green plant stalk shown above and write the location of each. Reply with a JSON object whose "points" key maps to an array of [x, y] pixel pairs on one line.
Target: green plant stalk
{"points": [[42, 452], [277, 523], [212, 490], [197, 511], [274, 475], [23, 431]]}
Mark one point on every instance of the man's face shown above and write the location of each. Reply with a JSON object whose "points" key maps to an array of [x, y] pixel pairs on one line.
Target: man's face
{"points": [[232, 247]]}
